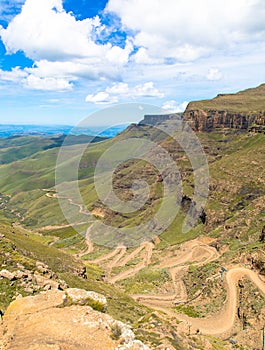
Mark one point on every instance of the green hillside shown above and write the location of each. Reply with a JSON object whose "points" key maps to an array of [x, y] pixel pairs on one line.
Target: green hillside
{"points": [[20, 147], [228, 234], [246, 101]]}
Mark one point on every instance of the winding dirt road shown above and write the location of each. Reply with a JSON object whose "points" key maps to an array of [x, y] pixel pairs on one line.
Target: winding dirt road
{"points": [[199, 254], [194, 252], [224, 320], [132, 271]]}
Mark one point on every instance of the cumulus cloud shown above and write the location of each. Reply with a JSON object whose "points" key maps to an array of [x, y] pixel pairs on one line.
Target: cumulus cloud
{"points": [[44, 30], [47, 84], [214, 74], [62, 47], [186, 30], [15, 75], [118, 88], [173, 106], [159, 41], [147, 90], [34, 82], [142, 57], [122, 90], [101, 97]]}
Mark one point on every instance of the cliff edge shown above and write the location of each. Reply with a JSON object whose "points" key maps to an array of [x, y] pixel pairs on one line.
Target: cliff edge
{"points": [[62, 320], [244, 110]]}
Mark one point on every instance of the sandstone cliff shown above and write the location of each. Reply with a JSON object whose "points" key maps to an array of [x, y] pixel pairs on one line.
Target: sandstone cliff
{"points": [[244, 110], [159, 118], [207, 120], [62, 320]]}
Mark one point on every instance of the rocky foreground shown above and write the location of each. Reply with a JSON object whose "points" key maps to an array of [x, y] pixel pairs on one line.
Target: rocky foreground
{"points": [[62, 320]]}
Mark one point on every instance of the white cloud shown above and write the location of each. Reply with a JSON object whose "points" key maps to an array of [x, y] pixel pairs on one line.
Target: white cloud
{"points": [[172, 49], [61, 46], [142, 57], [47, 84], [101, 97], [119, 55], [214, 74], [118, 88], [173, 106], [15, 75], [147, 90], [122, 90], [44, 30], [34, 82], [186, 29]]}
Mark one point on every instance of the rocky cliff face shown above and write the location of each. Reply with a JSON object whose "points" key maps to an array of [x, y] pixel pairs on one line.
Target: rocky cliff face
{"points": [[207, 120], [244, 110], [159, 118]]}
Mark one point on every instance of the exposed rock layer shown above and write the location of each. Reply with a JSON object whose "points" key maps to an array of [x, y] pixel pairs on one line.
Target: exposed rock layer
{"points": [[244, 110], [159, 118], [46, 321], [201, 120]]}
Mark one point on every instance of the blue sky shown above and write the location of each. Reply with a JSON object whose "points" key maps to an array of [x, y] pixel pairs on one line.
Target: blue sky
{"points": [[63, 60]]}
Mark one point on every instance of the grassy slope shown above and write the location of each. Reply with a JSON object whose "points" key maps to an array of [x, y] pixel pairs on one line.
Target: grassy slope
{"points": [[23, 247], [231, 159], [236, 201], [27, 249], [20, 147], [250, 100]]}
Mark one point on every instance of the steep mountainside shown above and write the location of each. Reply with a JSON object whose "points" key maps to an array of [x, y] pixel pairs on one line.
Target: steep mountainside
{"points": [[201, 289], [243, 110]]}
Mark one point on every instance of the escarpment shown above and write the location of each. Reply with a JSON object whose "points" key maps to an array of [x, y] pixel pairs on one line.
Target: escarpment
{"points": [[208, 120], [244, 111], [153, 119]]}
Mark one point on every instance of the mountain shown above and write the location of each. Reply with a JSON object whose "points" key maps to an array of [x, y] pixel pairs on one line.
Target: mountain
{"points": [[243, 110], [200, 289], [246, 101]]}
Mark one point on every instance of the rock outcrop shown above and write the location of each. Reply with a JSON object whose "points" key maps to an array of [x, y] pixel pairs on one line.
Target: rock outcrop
{"points": [[208, 120], [62, 320], [159, 118], [39, 279], [244, 110]]}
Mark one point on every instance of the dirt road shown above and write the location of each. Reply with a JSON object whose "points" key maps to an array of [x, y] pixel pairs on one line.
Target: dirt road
{"points": [[224, 320]]}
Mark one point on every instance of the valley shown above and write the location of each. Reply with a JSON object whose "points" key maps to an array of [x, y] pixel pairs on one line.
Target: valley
{"points": [[202, 288]]}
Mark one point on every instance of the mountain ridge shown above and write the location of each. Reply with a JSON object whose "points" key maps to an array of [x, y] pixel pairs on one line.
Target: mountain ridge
{"points": [[244, 110]]}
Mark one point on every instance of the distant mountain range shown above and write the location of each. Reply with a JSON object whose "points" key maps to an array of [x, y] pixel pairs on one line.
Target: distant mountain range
{"points": [[10, 130]]}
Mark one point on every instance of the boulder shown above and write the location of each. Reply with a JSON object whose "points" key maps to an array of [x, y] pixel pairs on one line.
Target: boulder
{"points": [[77, 296], [8, 275], [45, 321]]}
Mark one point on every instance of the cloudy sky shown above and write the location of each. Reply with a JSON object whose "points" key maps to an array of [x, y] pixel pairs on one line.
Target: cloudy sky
{"points": [[60, 60]]}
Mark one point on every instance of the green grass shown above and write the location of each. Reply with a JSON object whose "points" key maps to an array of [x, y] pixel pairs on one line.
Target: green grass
{"points": [[27, 251], [250, 100], [188, 310], [145, 281]]}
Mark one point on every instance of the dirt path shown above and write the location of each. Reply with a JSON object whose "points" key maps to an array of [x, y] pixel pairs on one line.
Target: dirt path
{"points": [[191, 251], [194, 252], [223, 321], [116, 259], [90, 248], [82, 210], [89, 243], [108, 256], [130, 256], [131, 272], [57, 227]]}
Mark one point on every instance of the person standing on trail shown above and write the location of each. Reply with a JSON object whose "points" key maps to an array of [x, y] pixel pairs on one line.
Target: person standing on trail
{"points": [[223, 270]]}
